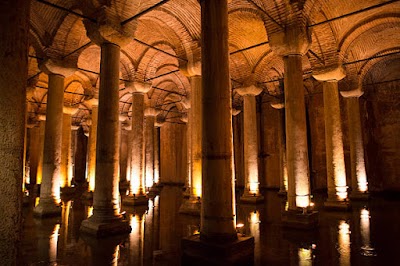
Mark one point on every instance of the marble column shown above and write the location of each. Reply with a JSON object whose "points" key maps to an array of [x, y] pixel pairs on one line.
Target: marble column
{"points": [[14, 18], [34, 140], [193, 204], [92, 142], [66, 150], [335, 166], [156, 153], [50, 187], [251, 192], [42, 126], [106, 219], [359, 182], [137, 195], [149, 122], [217, 219], [292, 43]]}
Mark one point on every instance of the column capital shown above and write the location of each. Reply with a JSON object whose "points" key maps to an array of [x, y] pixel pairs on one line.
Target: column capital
{"points": [[235, 111], [138, 86], [108, 28], [149, 111], [186, 103], [92, 102], [294, 40], [191, 68], [70, 110], [123, 118], [74, 127], [57, 67], [278, 104], [356, 93], [41, 117], [88, 122], [333, 73], [184, 118], [252, 90]]}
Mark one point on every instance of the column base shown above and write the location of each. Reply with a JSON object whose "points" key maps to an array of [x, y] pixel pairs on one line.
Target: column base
{"points": [[282, 193], [359, 196], [299, 220], [191, 206], [251, 199], [67, 190], [46, 208], [135, 200], [197, 252], [336, 205], [105, 227], [87, 195]]}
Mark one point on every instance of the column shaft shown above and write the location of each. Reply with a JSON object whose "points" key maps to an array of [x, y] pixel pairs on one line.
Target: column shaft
{"points": [[156, 155], [106, 194], [34, 154], [92, 142], [50, 187], [137, 149], [39, 175], [359, 183], [14, 21], [66, 174], [336, 174], [149, 150], [195, 121], [296, 134], [217, 208]]}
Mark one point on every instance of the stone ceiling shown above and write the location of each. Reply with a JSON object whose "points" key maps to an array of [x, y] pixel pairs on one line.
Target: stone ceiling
{"points": [[164, 39]]}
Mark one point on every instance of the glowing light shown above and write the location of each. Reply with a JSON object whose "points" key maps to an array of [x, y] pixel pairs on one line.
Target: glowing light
{"points": [[135, 183], [253, 187], [363, 186], [286, 205], [196, 178], [255, 217], [341, 192], [343, 245], [302, 201], [37, 201], [239, 225], [305, 257], [53, 244], [89, 211]]}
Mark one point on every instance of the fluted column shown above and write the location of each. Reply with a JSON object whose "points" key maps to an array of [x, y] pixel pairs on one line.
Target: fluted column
{"points": [[106, 218], [92, 142], [50, 187], [251, 192], [66, 150], [336, 173], [14, 23], [359, 181], [150, 118], [195, 118], [217, 208]]}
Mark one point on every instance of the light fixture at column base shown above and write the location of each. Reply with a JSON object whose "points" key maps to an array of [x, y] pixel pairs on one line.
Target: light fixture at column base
{"points": [[336, 205], [359, 196], [300, 220], [191, 206], [197, 252], [252, 199], [105, 228], [135, 200], [46, 209]]}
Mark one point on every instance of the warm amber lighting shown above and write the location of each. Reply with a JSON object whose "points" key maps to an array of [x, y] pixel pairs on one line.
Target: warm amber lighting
{"points": [[362, 184], [89, 211], [135, 183], [253, 187], [305, 256], [90, 179], [255, 217], [196, 178], [303, 201], [239, 225], [343, 245], [149, 179], [341, 192], [37, 201], [53, 244]]}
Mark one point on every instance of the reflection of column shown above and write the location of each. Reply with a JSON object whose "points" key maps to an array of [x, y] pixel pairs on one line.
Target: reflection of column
{"points": [[14, 21], [66, 150], [47, 242], [366, 248], [63, 236], [251, 192], [136, 195], [91, 151], [50, 187], [336, 173], [150, 118], [136, 240], [343, 245], [106, 218], [254, 220], [359, 182]]}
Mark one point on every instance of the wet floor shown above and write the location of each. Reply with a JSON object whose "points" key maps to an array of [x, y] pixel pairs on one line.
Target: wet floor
{"points": [[369, 234]]}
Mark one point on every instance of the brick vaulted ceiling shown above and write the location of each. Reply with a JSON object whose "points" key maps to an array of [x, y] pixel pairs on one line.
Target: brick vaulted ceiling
{"points": [[165, 38]]}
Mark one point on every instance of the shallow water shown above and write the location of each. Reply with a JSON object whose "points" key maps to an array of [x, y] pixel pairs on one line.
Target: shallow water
{"points": [[369, 234]]}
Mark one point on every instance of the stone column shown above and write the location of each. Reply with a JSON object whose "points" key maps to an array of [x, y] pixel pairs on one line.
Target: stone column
{"points": [[42, 126], [359, 182], [292, 43], [14, 18], [137, 183], [156, 153], [34, 140], [251, 192], [283, 178], [66, 148], [336, 173], [106, 218], [217, 222], [195, 118], [150, 118], [50, 187], [92, 141]]}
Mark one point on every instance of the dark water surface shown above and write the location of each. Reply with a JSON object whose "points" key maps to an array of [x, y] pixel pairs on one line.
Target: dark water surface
{"points": [[369, 234]]}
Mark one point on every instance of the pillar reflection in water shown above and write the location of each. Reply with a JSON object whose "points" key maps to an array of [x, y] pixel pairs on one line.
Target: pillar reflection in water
{"points": [[47, 231], [305, 256], [136, 240], [255, 232], [366, 249], [343, 244], [53, 244]]}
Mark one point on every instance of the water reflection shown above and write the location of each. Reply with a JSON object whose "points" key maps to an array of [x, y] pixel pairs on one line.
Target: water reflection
{"points": [[368, 235]]}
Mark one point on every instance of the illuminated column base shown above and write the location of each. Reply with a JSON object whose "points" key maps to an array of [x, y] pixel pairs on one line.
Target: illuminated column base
{"points": [[135, 200], [191, 206], [300, 219]]}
